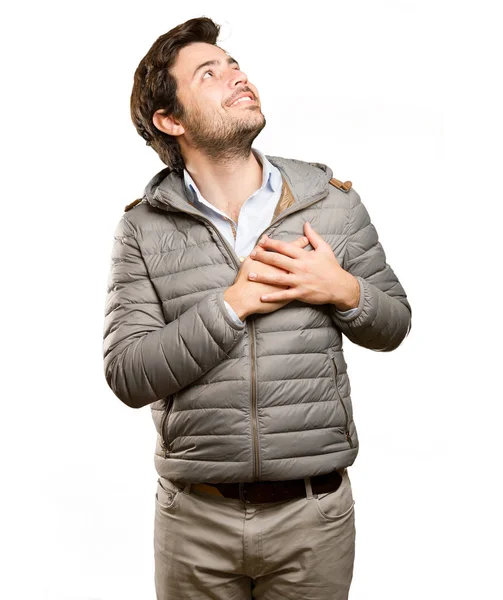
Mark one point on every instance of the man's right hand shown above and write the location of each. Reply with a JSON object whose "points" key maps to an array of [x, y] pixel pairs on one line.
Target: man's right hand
{"points": [[244, 295]]}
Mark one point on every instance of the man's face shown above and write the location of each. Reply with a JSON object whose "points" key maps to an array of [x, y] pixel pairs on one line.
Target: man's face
{"points": [[213, 122]]}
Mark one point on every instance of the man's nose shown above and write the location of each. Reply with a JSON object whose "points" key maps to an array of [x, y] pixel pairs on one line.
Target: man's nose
{"points": [[237, 77]]}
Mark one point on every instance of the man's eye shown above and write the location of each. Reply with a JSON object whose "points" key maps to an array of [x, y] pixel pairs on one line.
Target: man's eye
{"points": [[209, 71]]}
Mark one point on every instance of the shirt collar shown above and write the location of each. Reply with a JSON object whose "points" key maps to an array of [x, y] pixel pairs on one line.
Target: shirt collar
{"points": [[270, 176]]}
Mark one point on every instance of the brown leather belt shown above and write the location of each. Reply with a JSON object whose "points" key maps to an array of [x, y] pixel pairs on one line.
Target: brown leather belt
{"points": [[260, 492]]}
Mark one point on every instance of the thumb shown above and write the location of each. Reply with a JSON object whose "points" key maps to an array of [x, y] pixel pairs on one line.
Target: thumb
{"points": [[315, 238]]}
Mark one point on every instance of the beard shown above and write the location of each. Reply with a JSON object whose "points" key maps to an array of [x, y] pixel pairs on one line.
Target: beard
{"points": [[223, 137]]}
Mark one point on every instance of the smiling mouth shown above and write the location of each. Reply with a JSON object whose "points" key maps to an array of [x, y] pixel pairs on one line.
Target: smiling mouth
{"points": [[244, 100]]}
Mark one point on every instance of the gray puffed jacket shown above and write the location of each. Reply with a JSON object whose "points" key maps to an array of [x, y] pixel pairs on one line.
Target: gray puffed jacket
{"points": [[269, 400]]}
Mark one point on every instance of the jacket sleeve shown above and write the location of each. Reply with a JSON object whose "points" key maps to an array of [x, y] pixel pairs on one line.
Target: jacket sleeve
{"points": [[145, 358], [383, 317]]}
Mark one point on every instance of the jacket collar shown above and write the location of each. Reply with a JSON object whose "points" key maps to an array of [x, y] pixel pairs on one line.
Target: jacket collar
{"points": [[271, 177], [306, 180]]}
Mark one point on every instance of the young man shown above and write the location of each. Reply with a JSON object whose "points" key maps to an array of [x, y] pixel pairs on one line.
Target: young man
{"points": [[236, 343]]}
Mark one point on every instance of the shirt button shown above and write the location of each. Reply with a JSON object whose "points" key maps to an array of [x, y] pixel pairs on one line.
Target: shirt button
{"points": [[241, 258]]}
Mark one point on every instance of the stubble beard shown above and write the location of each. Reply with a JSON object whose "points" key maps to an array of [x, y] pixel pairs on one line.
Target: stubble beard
{"points": [[224, 137]]}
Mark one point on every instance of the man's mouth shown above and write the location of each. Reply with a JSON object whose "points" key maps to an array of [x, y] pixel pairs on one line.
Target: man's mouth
{"points": [[244, 99]]}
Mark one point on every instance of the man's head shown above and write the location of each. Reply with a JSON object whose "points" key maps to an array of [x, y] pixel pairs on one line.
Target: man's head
{"points": [[183, 97]]}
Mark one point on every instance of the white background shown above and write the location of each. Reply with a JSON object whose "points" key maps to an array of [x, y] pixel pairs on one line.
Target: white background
{"points": [[402, 99]]}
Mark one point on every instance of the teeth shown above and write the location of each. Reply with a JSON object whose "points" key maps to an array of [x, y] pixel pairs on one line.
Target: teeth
{"points": [[244, 99]]}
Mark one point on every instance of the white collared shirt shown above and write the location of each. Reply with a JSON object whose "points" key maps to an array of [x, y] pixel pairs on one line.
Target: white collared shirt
{"points": [[255, 215]]}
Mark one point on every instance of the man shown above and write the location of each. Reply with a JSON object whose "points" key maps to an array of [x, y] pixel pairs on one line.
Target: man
{"points": [[237, 344]]}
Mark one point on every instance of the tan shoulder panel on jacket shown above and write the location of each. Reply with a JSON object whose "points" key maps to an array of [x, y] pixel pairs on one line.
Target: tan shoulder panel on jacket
{"points": [[130, 205], [346, 186], [286, 200]]}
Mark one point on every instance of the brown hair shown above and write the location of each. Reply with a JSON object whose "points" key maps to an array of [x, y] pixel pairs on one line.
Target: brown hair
{"points": [[155, 87]]}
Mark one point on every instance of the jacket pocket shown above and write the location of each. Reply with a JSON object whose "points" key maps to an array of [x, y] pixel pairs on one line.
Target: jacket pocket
{"points": [[165, 424], [335, 379]]}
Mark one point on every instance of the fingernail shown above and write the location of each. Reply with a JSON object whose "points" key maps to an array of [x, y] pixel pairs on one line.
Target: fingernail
{"points": [[262, 239], [252, 275], [253, 253], [264, 298]]}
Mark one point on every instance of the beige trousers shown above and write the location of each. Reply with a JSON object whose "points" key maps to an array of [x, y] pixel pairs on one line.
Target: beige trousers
{"points": [[207, 546]]}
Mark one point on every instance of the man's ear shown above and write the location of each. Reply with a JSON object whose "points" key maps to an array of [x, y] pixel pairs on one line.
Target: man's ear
{"points": [[167, 124]]}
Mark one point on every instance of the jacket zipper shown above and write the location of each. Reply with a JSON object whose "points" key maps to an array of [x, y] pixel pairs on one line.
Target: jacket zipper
{"points": [[165, 440], [257, 467], [251, 329], [346, 427], [251, 326]]}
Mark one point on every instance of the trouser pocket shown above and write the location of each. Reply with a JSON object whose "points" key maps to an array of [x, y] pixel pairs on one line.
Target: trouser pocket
{"points": [[167, 494], [337, 505]]}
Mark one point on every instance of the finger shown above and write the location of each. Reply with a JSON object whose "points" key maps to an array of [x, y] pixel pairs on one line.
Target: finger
{"points": [[279, 278], [301, 242], [285, 248], [273, 258], [315, 238], [290, 294]]}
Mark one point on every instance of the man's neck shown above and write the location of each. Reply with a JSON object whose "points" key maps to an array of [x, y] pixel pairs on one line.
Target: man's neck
{"points": [[227, 186]]}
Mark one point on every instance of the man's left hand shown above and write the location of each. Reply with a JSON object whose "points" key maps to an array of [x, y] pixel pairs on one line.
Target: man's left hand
{"points": [[314, 277]]}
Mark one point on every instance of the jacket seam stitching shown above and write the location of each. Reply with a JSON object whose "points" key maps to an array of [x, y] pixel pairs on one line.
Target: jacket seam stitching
{"points": [[181, 248], [347, 229], [209, 333], [188, 350], [167, 363], [144, 262], [240, 408], [263, 433], [188, 270], [142, 362], [207, 291]]}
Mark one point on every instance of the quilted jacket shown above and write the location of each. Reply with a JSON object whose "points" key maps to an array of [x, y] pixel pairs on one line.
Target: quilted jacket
{"points": [[268, 400]]}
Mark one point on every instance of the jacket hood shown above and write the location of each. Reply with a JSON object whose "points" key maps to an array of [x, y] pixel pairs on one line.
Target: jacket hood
{"points": [[305, 179]]}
